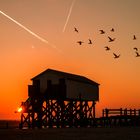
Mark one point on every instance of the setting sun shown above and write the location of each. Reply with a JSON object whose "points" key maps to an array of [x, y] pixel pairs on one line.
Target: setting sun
{"points": [[20, 109]]}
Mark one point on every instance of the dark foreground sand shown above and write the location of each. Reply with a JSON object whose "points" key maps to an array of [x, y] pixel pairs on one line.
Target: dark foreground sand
{"points": [[72, 134]]}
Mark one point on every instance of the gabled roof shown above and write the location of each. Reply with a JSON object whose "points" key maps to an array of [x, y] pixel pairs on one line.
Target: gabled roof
{"points": [[66, 75]]}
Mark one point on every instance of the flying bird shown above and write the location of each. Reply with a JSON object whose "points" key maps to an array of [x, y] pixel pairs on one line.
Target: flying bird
{"points": [[112, 30], [136, 49], [76, 30], [90, 42], [137, 54], [107, 48], [116, 56], [111, 39], [80, 42], [102, 31], [134, 37]]}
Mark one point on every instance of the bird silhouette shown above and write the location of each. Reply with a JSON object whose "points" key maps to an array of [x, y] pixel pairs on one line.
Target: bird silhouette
{"points": [[80, 42], [116, 56], [134, 37], [90, 42], [107, 48], [111, 39], [76, 30], [137, 54], [102, 31], [136, 49], [112, 30]]}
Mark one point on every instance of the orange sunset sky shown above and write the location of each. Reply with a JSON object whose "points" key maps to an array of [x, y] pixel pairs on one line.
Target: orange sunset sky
{"points": [[22, 55]]}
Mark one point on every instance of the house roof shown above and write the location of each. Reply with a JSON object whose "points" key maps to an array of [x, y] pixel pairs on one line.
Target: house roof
{"points": [[66, 75]]}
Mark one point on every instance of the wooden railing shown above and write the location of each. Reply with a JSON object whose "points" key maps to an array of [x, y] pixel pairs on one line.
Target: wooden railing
{"points": [[119, 117], [120, 112]]}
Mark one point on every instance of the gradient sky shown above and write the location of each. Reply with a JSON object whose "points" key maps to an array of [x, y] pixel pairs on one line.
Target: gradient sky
{"points": [[22, 56]]}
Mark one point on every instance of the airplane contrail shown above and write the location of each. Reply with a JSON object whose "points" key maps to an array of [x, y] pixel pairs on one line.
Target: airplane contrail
{"points": [[70, 10], [29, 31]]}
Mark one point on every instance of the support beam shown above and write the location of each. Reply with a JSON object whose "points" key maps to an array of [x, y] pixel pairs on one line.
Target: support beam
{"points": [[59, 113]]}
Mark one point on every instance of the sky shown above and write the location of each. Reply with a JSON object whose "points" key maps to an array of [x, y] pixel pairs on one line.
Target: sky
{"points": [[23, 55]]}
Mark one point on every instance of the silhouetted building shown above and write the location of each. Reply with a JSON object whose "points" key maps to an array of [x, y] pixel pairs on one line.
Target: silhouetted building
{"points": [[60, 99]]}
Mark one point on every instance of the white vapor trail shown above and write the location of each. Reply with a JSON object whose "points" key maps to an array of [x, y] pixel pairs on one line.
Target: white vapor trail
{"points": [[29, 31], [70, 10]]}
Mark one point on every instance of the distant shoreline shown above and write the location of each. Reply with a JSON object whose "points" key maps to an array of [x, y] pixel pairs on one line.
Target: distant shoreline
{"points": [[8, 124]]}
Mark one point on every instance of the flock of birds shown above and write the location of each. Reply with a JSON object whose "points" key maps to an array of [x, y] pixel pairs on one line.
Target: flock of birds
{"points": [[110, 39]]}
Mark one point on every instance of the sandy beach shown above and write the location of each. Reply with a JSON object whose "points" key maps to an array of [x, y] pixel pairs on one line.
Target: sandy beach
{"points": [[118, 133]]}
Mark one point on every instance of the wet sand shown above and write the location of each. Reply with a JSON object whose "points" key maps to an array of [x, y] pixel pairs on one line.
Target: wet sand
{"points": [[119, 133]]}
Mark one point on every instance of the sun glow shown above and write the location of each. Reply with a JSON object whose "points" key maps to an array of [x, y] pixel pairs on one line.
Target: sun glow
{"points": [[19, 109]]}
